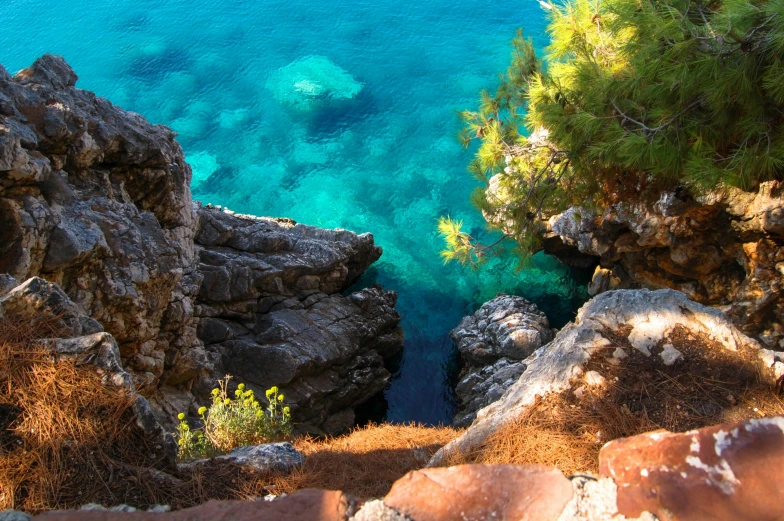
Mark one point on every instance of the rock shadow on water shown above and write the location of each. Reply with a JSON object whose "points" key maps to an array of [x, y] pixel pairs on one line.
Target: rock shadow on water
{"points": [[153, 67], [221, 181]]}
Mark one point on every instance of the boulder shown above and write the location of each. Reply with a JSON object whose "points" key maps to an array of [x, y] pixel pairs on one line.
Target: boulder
{"points": [[277, 458], [492, 342], [726, 472], [480, 492], [312, 82]]}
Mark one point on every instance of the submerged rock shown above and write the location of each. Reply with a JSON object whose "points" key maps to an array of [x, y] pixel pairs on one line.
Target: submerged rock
{"points": [[312, 82], [492, 343]]}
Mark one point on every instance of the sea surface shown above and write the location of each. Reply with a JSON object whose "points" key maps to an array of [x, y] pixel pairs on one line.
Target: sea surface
{"points": [[333, 113]]}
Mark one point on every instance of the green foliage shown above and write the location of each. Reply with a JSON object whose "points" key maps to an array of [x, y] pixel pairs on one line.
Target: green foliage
{"points": [[636, 95], [231, 423]]}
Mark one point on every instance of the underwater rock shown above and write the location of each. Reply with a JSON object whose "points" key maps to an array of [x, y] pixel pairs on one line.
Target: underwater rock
{"points": [[311, 83]]}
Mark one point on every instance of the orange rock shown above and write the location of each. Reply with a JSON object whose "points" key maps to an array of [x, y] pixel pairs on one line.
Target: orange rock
{"points": [[726, 472], [305, 505], [480, 492]]}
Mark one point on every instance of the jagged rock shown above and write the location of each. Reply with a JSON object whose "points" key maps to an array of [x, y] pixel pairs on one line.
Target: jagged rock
{"points": [[278, 458], [723, 249], [39, 301], [479, 387], [492, 342], [97, 200], [326, 356], [268, 309], [726, 472], [647, 318]]}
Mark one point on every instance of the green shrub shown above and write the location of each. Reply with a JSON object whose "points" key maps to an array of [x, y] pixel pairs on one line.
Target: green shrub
{"points": [[631, 97], [230, 423]]}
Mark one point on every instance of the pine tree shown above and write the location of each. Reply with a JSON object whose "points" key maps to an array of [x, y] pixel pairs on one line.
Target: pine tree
{"points": [[631, 96]]}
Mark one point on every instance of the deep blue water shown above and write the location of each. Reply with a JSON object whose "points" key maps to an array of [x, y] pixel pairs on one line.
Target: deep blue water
{"points": [[380, 156]]}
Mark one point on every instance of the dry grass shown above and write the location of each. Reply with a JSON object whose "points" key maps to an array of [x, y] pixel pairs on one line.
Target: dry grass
{"points": [[366, 462], [60, 424], [711, 386], [67, 440]]}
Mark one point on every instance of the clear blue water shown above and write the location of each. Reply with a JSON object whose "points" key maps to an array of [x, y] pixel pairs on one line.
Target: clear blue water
{"points": [[383, 160]]}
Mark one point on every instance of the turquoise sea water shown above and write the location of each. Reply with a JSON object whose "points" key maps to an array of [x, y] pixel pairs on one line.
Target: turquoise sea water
{"points": [[263, 139]]}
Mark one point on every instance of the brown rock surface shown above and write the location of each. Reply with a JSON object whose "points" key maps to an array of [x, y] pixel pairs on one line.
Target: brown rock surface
{"points": [[306, 505], [722, 249], [480, 492], [730, 472]]}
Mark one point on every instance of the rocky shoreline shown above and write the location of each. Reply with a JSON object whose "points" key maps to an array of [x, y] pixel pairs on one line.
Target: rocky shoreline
{"points": [[97, 201]]}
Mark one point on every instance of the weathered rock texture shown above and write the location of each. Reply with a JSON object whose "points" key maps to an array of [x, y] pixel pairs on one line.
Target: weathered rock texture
{"points": [[306, 505], [492, 344], [726, 472], [723, 472], [97, 200], [725, 249], [649, 318], [268, 309]]}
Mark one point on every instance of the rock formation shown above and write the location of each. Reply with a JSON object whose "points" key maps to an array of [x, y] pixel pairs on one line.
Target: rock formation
{"points": [[492, 344], [610, 330], [310, 83], [723, 249], [268, 311], [97, 200]]}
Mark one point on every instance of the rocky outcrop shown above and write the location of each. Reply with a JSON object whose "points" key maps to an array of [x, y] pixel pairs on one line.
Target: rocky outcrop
{"points": [[270, 312], [724, 249], [609, 329], [97, 200], [492, 344]]}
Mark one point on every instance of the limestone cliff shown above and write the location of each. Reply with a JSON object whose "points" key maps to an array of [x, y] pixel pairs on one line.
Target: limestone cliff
{"points": [[97, 200]]}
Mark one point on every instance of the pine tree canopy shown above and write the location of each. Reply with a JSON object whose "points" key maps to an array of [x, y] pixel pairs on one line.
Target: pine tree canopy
{"points": [[630, 96]]}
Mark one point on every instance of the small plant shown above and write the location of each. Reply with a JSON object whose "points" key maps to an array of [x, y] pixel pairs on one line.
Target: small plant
{"points": [[230, 423]]}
